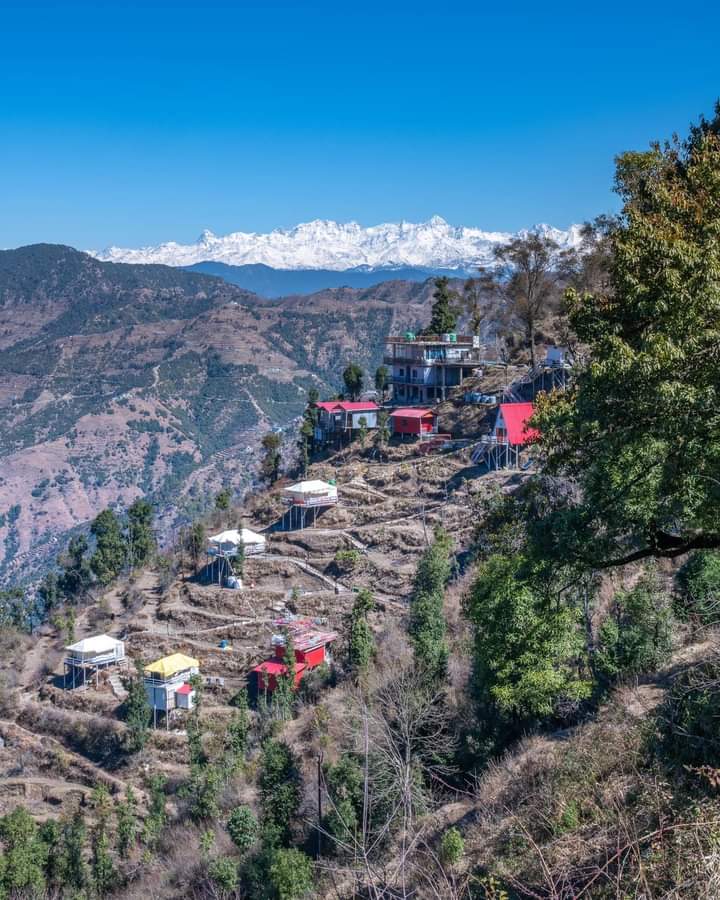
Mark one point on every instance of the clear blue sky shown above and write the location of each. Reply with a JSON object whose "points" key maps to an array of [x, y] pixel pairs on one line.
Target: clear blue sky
{"points": [[131, 123]]}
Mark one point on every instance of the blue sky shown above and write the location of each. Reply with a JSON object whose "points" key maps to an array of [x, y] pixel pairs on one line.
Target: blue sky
{"points": [[131, 123]]}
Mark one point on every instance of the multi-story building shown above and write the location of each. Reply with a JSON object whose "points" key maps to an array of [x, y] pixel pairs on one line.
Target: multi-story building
{"points": [[425, 368]]}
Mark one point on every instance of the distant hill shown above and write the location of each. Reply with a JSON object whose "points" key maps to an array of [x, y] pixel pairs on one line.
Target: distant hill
{"points": [[119, 380], [269, 282]]}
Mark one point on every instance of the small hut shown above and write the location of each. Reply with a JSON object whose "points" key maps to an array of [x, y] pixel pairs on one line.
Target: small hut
{"points": [[89, 656], [510, 435], [167, 684], [414, 422], [307, 496], [224, 547]]}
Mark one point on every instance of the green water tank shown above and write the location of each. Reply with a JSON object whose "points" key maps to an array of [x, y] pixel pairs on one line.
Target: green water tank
{"points": [[409, 335]]}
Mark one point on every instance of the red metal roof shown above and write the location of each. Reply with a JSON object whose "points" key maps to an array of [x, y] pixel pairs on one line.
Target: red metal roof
{"points": [[412, 413], [515, 416], [347, 406], [272, 667], [185, 689], [305, 633]]}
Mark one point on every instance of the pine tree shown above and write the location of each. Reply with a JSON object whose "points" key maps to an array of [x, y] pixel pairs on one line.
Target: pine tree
{"points": [[353, 380], [444, 315], [137, 713], [427, 618], [270, 465], [22, 866], [361, 642], [140, 535], [127, 823], [111, 548], [382, 379]]}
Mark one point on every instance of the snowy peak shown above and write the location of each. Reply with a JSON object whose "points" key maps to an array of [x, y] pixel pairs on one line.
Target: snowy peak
{"points": [[323, 244]]}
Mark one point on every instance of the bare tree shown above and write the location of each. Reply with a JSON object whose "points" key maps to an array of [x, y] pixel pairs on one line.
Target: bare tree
{"points": [[528, 279], [402, 739]]}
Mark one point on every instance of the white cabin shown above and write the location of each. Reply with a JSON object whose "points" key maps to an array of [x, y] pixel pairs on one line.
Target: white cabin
{"points": [[90, 655]]}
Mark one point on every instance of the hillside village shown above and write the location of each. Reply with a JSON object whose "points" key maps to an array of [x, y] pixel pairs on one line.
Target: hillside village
{"points": [[461, 643]]}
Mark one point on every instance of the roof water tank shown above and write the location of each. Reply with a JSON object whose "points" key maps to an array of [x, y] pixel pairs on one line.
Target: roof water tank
{"points": [[409, 335]]}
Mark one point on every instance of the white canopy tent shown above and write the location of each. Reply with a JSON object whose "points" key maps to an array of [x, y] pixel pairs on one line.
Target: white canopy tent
{"points": [[93, 653], [226, 543], [308, 495]]}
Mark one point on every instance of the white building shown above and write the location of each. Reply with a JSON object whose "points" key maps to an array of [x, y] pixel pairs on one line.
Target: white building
{"points": [[307, 495], [88, 656], [167, 683]]}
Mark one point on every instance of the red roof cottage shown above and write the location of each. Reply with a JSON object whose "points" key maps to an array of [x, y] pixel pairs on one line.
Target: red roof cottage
{"points": [[338, 417], [511, 424], [310, 643], [510, 435], [415, 422]]}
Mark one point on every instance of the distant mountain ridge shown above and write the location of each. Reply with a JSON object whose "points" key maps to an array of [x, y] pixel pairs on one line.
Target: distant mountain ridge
{"points": [[340, 247], [269, 282]]}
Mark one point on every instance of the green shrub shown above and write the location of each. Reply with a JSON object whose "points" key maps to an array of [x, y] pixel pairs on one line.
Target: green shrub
{"points": [[699, 580], [452, 847], [242, 827], [291, 874], [636, 637], [688, 725], [223, 871]]}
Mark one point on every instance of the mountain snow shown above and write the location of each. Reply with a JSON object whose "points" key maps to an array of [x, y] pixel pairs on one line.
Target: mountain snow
{"points": [[339, 246]]}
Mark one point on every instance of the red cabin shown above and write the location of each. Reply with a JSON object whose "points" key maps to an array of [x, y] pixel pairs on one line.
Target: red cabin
{"points": [[269, 671], [511, 424], [416, 422], [310, 643]]}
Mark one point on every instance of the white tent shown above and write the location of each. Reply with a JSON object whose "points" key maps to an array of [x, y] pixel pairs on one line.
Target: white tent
{"points": [[311, 493], [226, 543], [98, 649]]}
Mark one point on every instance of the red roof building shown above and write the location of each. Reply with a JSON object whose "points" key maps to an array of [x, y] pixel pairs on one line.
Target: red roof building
{"points": [[310, 643], [413, 421], [511, 424], [271, 670], [339, 416]]}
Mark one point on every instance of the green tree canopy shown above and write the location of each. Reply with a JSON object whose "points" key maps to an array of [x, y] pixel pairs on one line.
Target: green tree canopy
{"points": [[353, 380], [640, 434], [111, 547], [270, 465], [141, 538]]}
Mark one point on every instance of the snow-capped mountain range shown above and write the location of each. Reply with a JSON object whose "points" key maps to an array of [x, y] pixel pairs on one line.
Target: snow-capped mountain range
{"points": [[338, 247]]}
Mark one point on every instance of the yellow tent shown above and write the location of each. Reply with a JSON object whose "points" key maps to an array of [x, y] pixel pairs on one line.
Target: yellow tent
{"points": [[169, 665]]}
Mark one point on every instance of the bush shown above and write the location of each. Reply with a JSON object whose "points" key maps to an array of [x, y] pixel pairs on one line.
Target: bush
{"points": [[242, 827], [291, 874], [223, 871], [347, 560], [699, 581], [688, 730], [636, 638], [452, 847]]}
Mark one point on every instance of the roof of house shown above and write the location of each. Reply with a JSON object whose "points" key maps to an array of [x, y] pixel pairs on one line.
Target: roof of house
{"points": [[235, 537], [306, 635], [348, 406], [515, 416], [169, 665], [312, 487], [185, 689], [412, 413], [100, 643], [273, 667]]}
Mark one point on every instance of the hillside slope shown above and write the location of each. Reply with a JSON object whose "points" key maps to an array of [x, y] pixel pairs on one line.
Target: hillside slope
{"points": [[120, 380]]}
